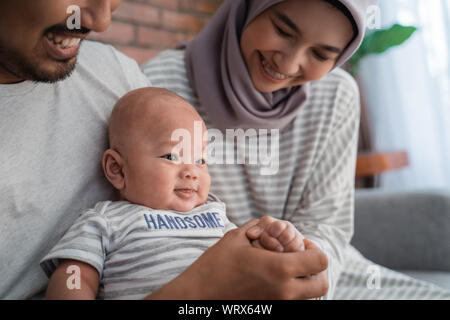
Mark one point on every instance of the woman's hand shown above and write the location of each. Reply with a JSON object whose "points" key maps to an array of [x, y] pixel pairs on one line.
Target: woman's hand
{"points": [[234, 269]]}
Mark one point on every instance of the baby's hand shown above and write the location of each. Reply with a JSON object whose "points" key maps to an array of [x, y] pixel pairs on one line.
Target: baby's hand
{"points": [[276, 235]]}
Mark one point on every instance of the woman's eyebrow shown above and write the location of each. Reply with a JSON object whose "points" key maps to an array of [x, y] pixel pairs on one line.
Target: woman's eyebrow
{"points": [[330, 48], [285, 19]]}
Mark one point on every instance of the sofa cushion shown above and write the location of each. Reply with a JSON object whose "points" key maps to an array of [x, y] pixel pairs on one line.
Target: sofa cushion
{"points": [[404, 230], [441, 279]]}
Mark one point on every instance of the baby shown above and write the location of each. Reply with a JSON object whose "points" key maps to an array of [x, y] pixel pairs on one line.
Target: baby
{"points": [[166, 217]]}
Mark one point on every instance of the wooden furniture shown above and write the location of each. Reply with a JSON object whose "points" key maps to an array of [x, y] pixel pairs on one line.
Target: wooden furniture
{"points": [[370, 165]]}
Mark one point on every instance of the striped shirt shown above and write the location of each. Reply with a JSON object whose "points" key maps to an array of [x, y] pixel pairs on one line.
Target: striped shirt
{"points": [[135, 249], [314, 185]]}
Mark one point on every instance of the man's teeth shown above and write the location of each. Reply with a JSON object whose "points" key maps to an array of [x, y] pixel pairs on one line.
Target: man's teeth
{"points": [[63, 42], [273, 73]]}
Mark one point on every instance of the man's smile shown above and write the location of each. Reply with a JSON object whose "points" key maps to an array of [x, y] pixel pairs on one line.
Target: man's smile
{"points": [[63, 46]]}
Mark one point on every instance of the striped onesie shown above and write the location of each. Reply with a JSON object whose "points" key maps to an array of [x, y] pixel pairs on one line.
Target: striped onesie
{"points": [[314, 186], [135, 249]]}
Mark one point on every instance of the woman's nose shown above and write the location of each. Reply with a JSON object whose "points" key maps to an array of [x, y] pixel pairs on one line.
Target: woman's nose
{"points": [[96, 14], [289, 63]]}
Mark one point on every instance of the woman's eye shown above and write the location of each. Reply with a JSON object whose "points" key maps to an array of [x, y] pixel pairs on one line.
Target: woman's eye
{"points": [[282, 32], [319, 56]]}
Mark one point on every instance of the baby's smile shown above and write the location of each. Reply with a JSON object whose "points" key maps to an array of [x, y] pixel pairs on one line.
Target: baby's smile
{"points": [[186, 193]]}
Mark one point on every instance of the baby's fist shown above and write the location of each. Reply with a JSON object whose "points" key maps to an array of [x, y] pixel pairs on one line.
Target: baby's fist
{"points": [[276, 235]]}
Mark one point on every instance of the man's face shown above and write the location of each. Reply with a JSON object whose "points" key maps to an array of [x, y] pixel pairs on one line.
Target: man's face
{"points": [[35, 41]]}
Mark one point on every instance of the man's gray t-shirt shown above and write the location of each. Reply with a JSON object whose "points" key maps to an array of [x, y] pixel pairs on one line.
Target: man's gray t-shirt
{"points": [[52, 140]]}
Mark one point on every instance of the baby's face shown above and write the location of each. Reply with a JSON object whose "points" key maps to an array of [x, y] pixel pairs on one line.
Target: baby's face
{"points": [[156, 174]]}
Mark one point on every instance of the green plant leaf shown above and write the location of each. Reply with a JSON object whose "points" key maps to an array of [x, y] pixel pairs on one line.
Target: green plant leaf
{"points": [[380, 41]]}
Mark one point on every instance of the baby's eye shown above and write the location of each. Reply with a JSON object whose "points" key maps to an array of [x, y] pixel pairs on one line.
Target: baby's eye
{"points": [[171, 157], [200, 161]]}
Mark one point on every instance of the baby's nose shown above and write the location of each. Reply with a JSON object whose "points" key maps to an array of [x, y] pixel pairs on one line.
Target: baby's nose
{"points": [[189, 174]]}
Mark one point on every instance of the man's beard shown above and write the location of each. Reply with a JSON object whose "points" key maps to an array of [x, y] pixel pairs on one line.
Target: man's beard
{"points": [[30, 69]]}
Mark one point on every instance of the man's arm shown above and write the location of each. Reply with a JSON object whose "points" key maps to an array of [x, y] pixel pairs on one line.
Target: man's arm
{"points": [[59, 288]]}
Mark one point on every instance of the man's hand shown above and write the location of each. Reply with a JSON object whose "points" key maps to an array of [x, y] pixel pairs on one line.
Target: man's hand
{"points": [[234, 269], [276, 235]]}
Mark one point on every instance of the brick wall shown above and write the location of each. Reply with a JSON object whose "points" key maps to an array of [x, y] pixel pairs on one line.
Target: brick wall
{"points": [[141, 28]]}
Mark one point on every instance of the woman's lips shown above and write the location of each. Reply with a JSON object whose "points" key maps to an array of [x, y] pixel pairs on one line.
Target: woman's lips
{"points": [[266, 74]]}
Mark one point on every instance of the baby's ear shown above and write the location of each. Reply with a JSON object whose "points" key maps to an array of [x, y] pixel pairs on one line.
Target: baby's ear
{"points": [[113, 168]]}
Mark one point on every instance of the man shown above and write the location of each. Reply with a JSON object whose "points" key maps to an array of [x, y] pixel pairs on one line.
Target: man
{"points": [[56, 93]]}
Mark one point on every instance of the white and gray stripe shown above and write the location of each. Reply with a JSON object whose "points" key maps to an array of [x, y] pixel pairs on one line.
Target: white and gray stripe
{"points": [[136, 249], [314, 187]]}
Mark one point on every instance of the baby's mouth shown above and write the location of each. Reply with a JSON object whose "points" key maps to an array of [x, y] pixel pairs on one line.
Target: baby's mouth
{"points": [[185, 193], [186, 190]]}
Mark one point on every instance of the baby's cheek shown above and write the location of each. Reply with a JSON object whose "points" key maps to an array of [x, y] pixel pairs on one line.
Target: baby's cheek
{"points": [[205, 184], [203, 195]]}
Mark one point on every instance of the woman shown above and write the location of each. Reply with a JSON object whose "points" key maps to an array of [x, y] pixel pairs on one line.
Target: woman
{"points": [[271, 64]]}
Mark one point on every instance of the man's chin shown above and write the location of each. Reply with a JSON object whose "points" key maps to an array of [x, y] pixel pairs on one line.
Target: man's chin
{"points": [[57, 71], [47, 71]]}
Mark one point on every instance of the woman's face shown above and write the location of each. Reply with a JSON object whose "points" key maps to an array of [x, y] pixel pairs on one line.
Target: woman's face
{"points": [[294, 42]]}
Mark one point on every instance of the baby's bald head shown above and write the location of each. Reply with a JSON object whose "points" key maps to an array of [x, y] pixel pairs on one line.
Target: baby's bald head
{"points": [[151, 160], [147, 111]]}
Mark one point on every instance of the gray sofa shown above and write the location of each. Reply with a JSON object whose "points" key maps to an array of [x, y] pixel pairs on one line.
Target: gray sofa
{"points": [[407, 231]]}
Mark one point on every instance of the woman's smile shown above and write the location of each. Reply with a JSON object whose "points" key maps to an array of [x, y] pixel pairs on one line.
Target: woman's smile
{"points": [[302, 42], [269, 72]]}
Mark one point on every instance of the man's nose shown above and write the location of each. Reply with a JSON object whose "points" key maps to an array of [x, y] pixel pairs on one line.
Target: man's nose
{"points": [[96, 15]]}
